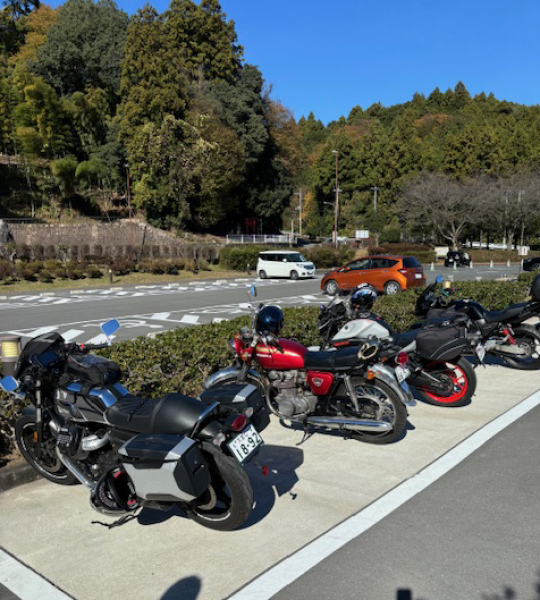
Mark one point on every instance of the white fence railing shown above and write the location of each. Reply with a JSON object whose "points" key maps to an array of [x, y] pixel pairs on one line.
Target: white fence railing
{"points": [[261, 239]]}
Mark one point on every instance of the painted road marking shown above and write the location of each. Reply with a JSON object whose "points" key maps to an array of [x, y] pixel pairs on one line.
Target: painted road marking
{"points": [[290, 569], [72, 334], [191, 319], [26, 583]]}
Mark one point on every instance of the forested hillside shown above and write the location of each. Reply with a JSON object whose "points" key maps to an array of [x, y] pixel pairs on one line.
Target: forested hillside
{"points": [[89, 95]]}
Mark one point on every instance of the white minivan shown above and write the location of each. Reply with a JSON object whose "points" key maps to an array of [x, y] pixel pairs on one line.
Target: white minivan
{"points": [[284, 263]]}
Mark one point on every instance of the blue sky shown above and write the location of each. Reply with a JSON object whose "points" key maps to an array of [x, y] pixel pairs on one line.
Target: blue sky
{"points": [[329, 57]]}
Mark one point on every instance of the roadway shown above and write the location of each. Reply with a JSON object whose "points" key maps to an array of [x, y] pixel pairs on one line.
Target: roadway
{"points": [[148, 310]]}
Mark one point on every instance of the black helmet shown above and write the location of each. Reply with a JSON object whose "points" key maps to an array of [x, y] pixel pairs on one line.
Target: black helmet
{"points": [[364, 297], [535, 288], [270, 320], [114, 493]]}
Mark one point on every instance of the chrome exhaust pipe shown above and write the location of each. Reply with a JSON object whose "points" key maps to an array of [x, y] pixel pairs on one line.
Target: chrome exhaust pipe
{"points": [[74, 471], [349, 424], [510, 350]]}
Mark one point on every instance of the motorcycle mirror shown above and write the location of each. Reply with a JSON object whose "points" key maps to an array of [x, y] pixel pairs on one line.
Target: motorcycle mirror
{"points": [[439, 279], [110, 327], [9, 384], [253, 290]]}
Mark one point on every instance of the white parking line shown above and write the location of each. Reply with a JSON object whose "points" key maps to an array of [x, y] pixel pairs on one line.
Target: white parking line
{"points": [[26, 583], [296, 565]]}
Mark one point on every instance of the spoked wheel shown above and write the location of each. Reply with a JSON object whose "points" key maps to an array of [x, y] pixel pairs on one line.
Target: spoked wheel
{"points": [[457, 383], [48, 464], [378, 402], [228, 501], [528, 339]]}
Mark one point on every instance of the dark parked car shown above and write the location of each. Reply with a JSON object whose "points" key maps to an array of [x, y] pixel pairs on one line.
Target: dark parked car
{"points": [[460, 259], [531, 264]]}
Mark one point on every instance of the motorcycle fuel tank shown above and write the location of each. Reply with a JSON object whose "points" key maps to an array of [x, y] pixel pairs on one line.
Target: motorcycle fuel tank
{"points": [[290, 356], [361, 329]]}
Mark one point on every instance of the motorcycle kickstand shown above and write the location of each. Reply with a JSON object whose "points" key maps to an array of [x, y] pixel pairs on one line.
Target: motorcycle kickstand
{"points": [[307, 434]]}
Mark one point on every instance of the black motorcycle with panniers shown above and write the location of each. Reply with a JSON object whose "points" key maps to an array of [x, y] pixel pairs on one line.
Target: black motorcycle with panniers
{"points": [[504, 333], [131, 452], [429, 356]]}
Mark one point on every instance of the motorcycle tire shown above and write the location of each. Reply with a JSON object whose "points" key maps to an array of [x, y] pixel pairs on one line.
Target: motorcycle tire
{"points": [[395, 406], [531, 337], [463, 378], [228, 502], [48, 465]]}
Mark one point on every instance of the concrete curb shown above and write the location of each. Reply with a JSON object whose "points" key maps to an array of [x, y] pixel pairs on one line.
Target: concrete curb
{"points": [[11, 477]]}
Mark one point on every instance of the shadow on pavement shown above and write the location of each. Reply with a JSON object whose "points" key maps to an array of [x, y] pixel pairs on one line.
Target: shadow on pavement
{"points": [[187, 588], [281, 462]]}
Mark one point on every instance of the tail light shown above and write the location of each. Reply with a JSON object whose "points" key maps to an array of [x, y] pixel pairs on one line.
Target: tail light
{"points": [[249, 412], [239, 423], [402, 358], [402, 271]]}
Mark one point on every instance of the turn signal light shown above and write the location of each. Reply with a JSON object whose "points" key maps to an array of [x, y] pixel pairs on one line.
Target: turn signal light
{"points": [[239, 423], [370, 374], [402, 358], [248, 412]]}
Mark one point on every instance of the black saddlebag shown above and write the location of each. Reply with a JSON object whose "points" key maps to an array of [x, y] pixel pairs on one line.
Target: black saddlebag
{"points": [[93, 369], [165, 468], [441, 343], [240, 397]]}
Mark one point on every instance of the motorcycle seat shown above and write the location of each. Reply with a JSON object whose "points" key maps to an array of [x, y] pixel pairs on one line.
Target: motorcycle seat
{"points": [[507, 314], [172, 414], [404, 339], [332, 360]]}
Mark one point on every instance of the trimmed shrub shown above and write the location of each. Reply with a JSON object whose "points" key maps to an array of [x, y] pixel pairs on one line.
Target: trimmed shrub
{"points": [[326, 256], [122, 266], [7, 270], [93, 272], [45, 276], [237, 258], [425, 254]]}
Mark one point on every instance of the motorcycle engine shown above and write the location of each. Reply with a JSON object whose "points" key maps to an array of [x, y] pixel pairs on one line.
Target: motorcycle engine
{"points": [[293, 397]]}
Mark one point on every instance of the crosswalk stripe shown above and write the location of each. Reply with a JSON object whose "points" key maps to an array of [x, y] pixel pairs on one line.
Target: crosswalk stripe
{"points": [[40, 331], [191, 319], [72, 334]]}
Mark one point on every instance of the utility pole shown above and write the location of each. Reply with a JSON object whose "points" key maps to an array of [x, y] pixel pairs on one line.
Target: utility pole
{"points": [[336, 211], [299, 209], [129, 208], [375, 190]]}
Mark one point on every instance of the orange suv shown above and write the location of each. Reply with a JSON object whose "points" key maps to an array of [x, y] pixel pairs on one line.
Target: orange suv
{"points": [[388, 274]]}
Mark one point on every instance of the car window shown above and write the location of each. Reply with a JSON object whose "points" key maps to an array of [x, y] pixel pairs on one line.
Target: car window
{"points": [[356, 265], [296, 257], [269, 257], [382, 263], [410, 262]]}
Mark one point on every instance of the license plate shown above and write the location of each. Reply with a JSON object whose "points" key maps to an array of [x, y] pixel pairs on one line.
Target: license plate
{"points": [[245, 443], [480, 352], [402, 373], [418, 275]]}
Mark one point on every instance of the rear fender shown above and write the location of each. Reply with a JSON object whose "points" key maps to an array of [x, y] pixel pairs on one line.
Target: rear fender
{"points": [[234, 374], [387, 375]]}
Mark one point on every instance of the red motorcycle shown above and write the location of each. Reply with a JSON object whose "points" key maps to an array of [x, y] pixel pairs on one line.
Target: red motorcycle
{"points": [[345, 389]]}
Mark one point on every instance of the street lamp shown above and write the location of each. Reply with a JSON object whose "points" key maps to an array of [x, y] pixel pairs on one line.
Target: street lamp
{"points": [[337, 201]]}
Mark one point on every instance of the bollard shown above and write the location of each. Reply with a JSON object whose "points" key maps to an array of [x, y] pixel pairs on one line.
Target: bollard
{"points": [[432, 268], [110, 275], [491, 264], [470, 265], [508, 263], [10, 349], [455, 266]]}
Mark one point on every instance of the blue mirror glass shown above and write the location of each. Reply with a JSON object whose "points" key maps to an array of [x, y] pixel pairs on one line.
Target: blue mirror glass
{"points": [[439, 279], [110, 327], [9, 384], [253, 290]]}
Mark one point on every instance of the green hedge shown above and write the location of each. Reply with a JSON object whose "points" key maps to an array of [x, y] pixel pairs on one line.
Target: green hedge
{"points": [[238, 258], [326, 256], [425, 254]]}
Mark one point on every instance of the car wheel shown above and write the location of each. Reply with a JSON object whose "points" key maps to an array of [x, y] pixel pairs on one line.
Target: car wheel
{"points": [[294, 275], [392, 288], [262, 275], [446, 263], [331, 287], [535, 267]]}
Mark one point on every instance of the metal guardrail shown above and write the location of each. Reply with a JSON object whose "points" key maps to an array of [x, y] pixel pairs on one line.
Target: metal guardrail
{"points": [[261, 239]]}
